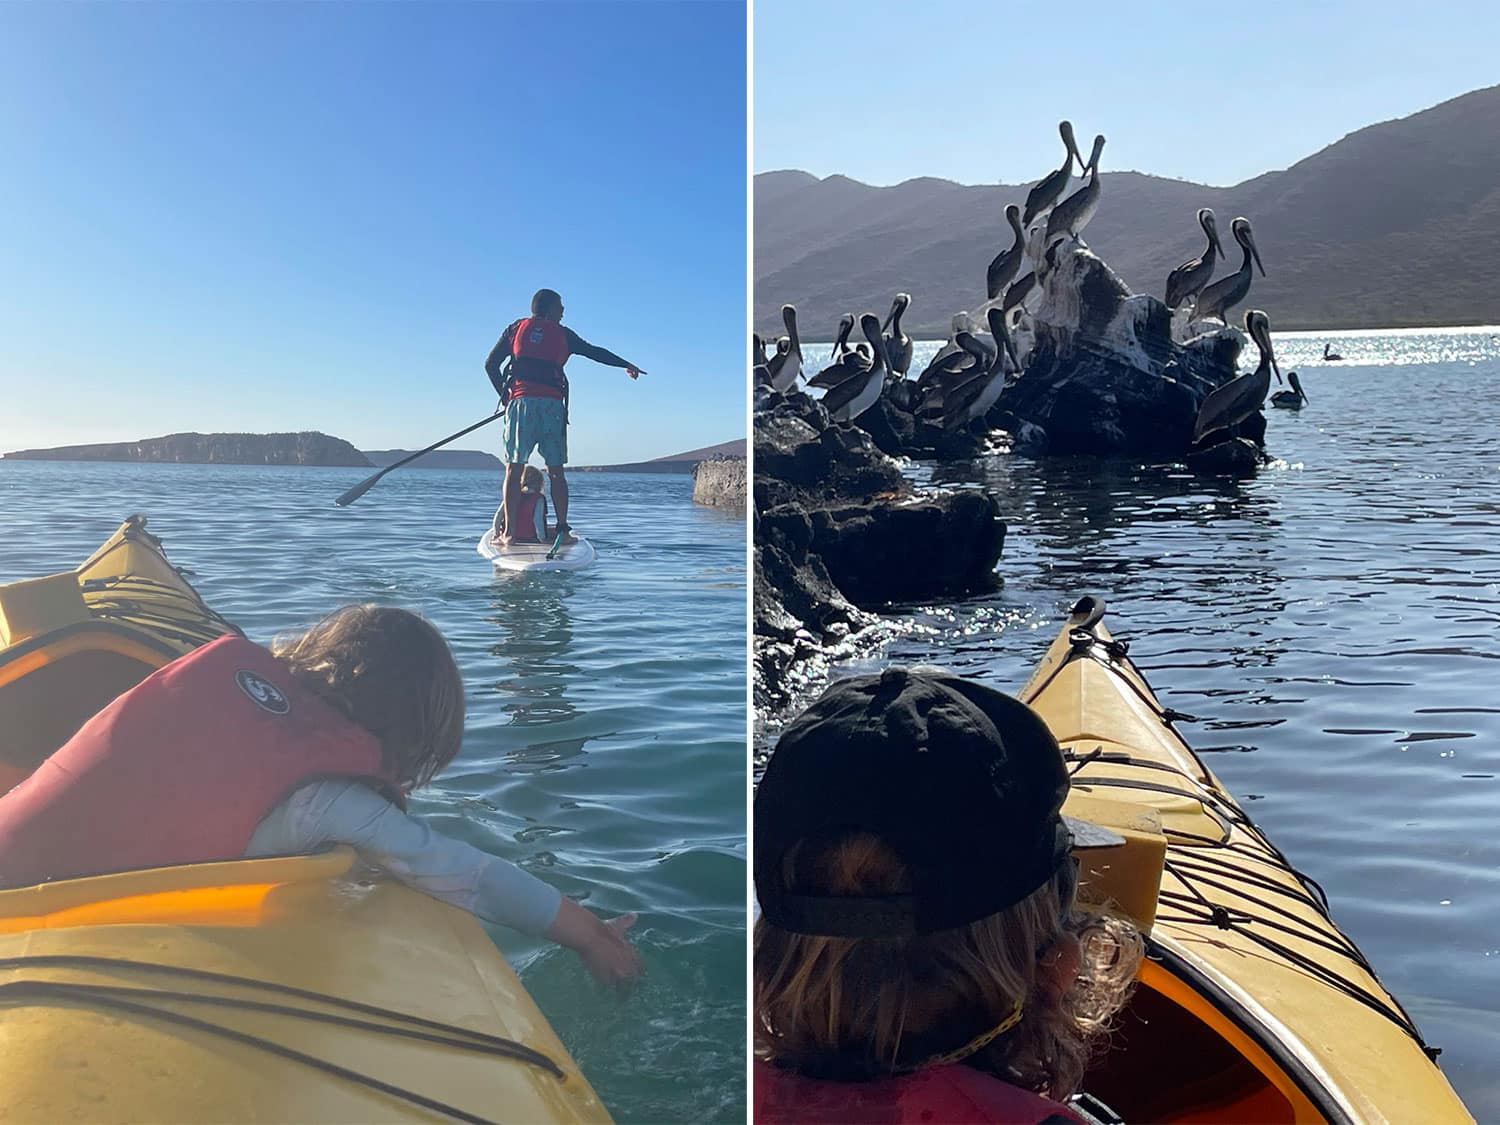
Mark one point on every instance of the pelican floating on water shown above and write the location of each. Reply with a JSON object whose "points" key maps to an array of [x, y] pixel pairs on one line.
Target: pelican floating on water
{"points": [[1241, 397], [1292, 399], [1050, 188], [1221, 296], [1330, 356], [1007, 263], [855, 395], [897, 343], [1188, 279], [1070, 216], [786, 366]]}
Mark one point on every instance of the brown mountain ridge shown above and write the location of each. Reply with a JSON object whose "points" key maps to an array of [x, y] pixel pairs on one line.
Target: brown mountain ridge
{"points": [[1393, 226]]}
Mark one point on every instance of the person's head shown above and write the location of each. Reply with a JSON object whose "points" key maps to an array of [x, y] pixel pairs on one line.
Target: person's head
{"points": [[390, 671], [916, 884], [531, 478], [547, 303]]}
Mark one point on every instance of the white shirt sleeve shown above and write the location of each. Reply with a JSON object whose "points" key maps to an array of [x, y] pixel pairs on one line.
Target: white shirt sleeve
{"points": [[347, 812]]}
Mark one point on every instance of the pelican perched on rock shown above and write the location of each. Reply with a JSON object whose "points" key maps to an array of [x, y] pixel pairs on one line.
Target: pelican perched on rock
{"points": [[973, 355], [1241, 397], [757, 350], [846, 361], [786, 365], [1015, 296], [1293, 399], [972, 397], [1070, 216], [1221, 296], [1188, 279], [1050, 188], [1007, 263], [897, 343], [962, 322], [855, 395]]}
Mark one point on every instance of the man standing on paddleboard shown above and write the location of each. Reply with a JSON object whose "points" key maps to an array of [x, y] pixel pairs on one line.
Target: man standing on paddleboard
{"points": [[534, 394]]}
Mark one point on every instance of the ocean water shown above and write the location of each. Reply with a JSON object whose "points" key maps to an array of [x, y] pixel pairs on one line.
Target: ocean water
{"points": [[1333, 622], [605, 747]]}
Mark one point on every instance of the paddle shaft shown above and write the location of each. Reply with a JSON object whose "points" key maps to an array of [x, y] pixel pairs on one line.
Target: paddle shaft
{"points": [[369, 482]]}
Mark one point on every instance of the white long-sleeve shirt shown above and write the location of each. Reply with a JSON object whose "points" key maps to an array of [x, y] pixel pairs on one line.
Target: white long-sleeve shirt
{"points": [[346, 812]]}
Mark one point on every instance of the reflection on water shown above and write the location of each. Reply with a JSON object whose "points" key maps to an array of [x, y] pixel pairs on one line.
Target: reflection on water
{"points": [[1334, 626]]}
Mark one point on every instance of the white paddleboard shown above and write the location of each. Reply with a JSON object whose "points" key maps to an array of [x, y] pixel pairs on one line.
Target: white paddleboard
{"points": [[533, 556]]}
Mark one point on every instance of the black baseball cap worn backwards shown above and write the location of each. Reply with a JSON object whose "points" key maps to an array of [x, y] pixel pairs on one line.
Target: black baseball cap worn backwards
{"points": [[963, 782]]}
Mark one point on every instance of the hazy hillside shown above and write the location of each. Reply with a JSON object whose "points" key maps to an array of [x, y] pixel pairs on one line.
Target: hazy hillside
{"points": [[309, 448], [1394, 225]]}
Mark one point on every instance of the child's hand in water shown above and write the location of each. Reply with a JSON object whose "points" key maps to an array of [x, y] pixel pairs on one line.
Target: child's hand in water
{"points": [[602, 945], [611, 958]]}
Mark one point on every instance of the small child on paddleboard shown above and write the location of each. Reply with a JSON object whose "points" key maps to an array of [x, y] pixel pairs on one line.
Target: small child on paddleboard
{"points": [[235, 751], [531, 511], [920, 956]]}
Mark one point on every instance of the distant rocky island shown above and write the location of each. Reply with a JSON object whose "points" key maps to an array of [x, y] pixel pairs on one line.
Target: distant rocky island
{"points": [[437, 459], [673, 463], [314, 448], [308, 448]]}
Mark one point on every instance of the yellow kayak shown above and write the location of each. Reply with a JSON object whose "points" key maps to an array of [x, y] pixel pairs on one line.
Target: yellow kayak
{"points": [[1251, 1005], [257, 990]]}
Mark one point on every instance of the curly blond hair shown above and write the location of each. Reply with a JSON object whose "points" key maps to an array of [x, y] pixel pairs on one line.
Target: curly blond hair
{"points": [[390, 671], [853, 1008]]}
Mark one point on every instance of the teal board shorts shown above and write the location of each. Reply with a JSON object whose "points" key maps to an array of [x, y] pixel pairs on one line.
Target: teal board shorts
{"points": [[534, 422]]}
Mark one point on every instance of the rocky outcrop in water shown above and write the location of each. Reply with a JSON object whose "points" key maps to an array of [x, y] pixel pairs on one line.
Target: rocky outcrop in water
{"points": [[1103, 376], [840, 531], [720, 482], [310, 448]]}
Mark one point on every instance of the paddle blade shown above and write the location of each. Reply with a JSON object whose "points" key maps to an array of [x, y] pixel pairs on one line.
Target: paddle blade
{"points": [[357, 491]]}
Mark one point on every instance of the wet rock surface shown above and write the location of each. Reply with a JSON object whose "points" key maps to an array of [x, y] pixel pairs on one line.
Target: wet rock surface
{"points": [[839, 531]]}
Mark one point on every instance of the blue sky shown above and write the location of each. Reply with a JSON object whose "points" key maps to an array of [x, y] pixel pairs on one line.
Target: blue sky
{"points": [[321, 216], [972, 91]]}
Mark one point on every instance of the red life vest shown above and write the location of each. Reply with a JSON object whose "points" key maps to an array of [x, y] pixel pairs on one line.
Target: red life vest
{"points": [[180, 769], [538, 349], [531, 518], [951, 1095]]}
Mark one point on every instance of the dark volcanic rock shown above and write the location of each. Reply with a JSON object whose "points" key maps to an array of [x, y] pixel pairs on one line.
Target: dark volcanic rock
{"points": [[838, 530], [308, 448], [1104, 376]]}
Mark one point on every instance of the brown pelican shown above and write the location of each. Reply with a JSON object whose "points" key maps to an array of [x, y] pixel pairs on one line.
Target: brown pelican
{"points": [[962, 322], [1007, 263], [1050, 188], [1330, 356], [973, 396], [786, 366], [973, 356], [1292, 399], [1222, 295], [757, 350], [897, 343], [854, 396], [1016, 295], [1070, 216], [1190, 277], [841, 345], [1242, 396]]}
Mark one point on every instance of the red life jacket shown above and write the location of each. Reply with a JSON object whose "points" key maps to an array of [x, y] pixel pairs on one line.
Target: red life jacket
{"points": [[180, 769], [531, 518], [951, 1095], [538, 349]]}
